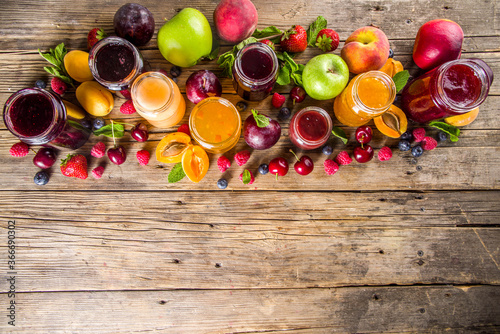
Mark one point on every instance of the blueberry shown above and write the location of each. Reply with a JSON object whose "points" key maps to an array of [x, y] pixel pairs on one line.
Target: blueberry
{"points": [[442, 136], [417, 151], [284, 114], [222, 183], [407, 136], [241, 106], [327, 150], [391, 53], [404, 145], [175, 80], [40, 84], [98, 123], [41, 178], [86, 124], [175, 71], [263, 169]]}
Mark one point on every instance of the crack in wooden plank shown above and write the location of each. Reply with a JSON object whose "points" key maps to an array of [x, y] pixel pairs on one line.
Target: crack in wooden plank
{"points": [[487, 251]]}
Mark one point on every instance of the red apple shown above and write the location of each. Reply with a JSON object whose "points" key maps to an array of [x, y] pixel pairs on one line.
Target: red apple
{"points": [[437, 42], [202, 84]]}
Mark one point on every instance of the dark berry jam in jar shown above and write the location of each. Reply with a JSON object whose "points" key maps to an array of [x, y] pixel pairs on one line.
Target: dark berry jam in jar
{"points": [[38, 117], [310, 128], [255, 71], [115, 63]]}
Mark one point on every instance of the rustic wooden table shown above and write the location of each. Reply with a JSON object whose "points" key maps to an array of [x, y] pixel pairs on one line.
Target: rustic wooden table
{"points": [[399, 246]]}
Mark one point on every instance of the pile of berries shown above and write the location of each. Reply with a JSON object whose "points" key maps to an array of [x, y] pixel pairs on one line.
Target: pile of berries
{"points": [[421, 141]]}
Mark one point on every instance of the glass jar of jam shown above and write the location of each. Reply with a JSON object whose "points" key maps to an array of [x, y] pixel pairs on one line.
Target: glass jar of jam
{"points": [[38, 117], [453, 88], [158, 99], [310, 128], [255, 71], [115, 63], [367, 95], [215, 124]]}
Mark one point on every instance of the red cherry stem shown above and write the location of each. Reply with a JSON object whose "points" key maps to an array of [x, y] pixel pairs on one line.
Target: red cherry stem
{"points": [[295, 155], [113, 133]]}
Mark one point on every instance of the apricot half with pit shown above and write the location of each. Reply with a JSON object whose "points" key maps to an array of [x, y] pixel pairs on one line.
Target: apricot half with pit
{"points": [[392, 123], [391, 67], [195, 163], [171, 148]]}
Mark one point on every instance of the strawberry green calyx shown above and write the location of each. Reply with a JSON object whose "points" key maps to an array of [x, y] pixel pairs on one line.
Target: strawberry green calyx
{"points": [[64, 162], [287, 34], [324, 43]]}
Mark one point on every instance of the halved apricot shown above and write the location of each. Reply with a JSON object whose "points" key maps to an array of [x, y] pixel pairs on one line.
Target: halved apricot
{"points": [[464, 119], [195, 163], [171, 148], [391, 67], [392, 123]]}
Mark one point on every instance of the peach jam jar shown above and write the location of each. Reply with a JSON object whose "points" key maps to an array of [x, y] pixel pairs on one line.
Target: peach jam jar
{"points": [[158, 99], [215, 124], [368, 95], [310, 128], [115, 63], [255, 71]]}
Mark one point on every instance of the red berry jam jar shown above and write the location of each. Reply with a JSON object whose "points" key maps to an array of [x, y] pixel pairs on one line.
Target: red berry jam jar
{"points": [[255, 71], [310, 128], [453, 88], [115, 63], [38, 117]]}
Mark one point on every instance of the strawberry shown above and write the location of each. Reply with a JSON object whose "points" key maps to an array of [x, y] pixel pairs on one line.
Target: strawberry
{"points": [[75, 165], [269, 43], [278, 100], [327, 40], [294, 40], [94, 36]]}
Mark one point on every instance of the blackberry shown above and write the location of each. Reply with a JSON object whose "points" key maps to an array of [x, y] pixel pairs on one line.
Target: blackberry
{"points": [[263, 169], [98, 123], [41, 178], [222, 183], [175, 71], [241, 106], [40, 84], [404, 145], [417, 151], [442, 136], [391, 53], [407, 135], [327, 150], [284, 114]]}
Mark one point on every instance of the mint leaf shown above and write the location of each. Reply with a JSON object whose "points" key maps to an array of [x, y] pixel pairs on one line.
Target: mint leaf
{"points": [[56, 58], [283, 76], [246, 177], [215, 49], [108, 130], [261, 120], [176, 174], [226, 60], [338, 132], [400, 79], [453, 131], [314, 29], [266, 32], [289, 69]]}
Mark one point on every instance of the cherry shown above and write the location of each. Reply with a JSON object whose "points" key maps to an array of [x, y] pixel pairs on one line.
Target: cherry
{"points": [[364, 134], [363, 154], [140, 132], [298, 94], [304, 165], [44, 158], [278, 166], [117, 155]]}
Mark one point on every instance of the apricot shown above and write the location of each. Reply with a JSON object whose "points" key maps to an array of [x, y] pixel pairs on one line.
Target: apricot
{"points": [[235, 20], [94, 98], [76, 63], [391, 67], [171, 148], [393, 123], [463, 119], [73, 110], [195, 163]]}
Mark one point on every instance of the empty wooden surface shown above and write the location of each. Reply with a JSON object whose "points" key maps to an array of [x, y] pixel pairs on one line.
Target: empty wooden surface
{"points": [[399, 246]]}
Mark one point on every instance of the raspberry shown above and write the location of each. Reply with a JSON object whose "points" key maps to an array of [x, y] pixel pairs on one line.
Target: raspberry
{"points": [[97, 172], [127, 108], [184, 128], [384, 154], [143, 157], [98, 150], [418, 134], [223, 163], [58, 86], [252, 178], [331, 167], [343, 158], [242, 157], [429, 143], [278, 100], [126, 94], [19, 150]]}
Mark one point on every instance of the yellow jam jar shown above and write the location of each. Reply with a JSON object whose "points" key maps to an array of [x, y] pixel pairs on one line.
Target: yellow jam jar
{"points": [[158, 99], [368, 95], [215, 124]]}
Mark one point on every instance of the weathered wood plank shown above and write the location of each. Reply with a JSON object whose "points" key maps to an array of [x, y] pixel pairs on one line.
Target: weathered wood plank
{"points": [[353, 310]]}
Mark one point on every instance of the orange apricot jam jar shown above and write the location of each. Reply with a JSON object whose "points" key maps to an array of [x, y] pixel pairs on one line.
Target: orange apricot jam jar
{"points": [[215, 124], [368, 95], [158, 99]]}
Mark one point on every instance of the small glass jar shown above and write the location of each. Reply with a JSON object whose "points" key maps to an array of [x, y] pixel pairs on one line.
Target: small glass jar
{"points": [[158, 99], [215, 124], [38, 117], [255, 71], [115, 63], [310, 128], [454, 88], [367, 96]]}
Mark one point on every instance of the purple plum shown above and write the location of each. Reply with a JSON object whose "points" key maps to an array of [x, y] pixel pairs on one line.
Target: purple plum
{"points": [[202, 84], [260, 131]]}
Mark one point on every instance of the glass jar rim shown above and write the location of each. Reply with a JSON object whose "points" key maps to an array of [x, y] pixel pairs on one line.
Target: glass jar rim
{"points": [[322, 112], [250, 81], [377, 75], [143, 76]]}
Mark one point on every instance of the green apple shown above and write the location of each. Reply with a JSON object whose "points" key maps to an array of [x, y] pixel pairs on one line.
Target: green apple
{"points": [[185, 38], [325, 76]]}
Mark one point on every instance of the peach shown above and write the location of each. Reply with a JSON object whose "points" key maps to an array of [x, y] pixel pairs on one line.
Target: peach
{"points": [[235, 20], [437, 42], [367, 49]]}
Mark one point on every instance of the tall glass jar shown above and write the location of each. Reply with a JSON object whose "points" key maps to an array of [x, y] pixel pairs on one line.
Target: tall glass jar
{"points": [[367, 96], [158, 99], [38, 117], [310, 128], [255, 71], [453, 88]]}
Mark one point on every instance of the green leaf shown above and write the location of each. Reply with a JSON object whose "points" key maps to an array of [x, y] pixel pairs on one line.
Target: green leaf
{"points": [[266, 32], [108, 130], [453, 131], [297, 78], [400, 79], [215, 49], [261, 120], [226, 59], [246, 177], [51, 59], [314, 29], [290, 62], [283, 76], [59, 52], [339, 133], [176, 174]]}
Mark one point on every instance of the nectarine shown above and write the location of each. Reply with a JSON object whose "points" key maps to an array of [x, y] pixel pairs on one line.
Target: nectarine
{"points": [[235, 20]]}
